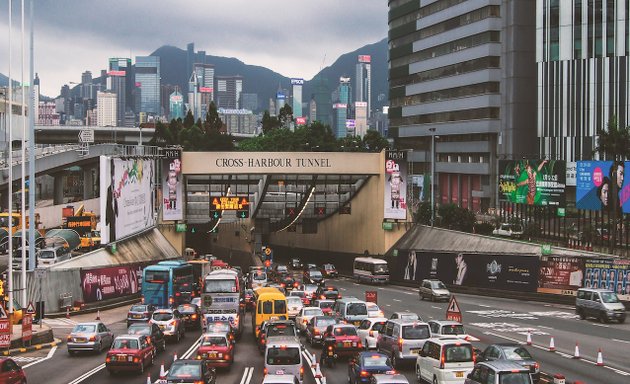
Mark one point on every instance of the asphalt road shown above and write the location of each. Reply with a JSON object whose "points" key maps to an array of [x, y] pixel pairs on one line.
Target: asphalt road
{"points": [[489, 319]]}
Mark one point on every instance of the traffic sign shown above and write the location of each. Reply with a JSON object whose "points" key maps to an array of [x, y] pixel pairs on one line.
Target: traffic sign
{"points": [[453, 313], [27, 327], [267, 251], [30, 308], [5, 329], [86, 136], [3, 313], [371, 296]]}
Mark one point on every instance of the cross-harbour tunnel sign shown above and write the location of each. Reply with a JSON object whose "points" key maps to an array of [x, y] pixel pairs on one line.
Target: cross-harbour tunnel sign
{"points": [[281, 163]]}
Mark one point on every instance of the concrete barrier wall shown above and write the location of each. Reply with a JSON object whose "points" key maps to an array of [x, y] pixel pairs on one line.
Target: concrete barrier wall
{"points": [[54, 284]]}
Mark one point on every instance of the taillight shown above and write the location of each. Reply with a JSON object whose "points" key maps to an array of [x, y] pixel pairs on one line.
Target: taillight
{"points": [[536, 366], [145, 314], [265, 371], [400, 344], [136, 360], [316, 331], [69, 338], [92, 338], [330, 347], [359, 345], [301, 370], [442, 360], [194, 317], [142, 299], [322, 297], [364, 374], [171, 300], [178, 294], [200, 382], [108, 359], [304, 321]]}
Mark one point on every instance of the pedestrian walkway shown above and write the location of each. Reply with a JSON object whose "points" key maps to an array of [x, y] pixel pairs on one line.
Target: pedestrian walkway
{"points": [[60, 323], [25, 359]]}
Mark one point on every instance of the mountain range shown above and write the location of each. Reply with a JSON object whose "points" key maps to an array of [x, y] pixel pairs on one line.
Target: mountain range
{"points": [[265, 82]]}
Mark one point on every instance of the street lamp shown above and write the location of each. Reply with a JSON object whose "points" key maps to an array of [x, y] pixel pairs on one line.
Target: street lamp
{"points": [[432, 130]]}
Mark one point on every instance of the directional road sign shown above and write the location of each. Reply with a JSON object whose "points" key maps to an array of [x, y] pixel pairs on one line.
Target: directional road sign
{"points": [[86, 136]]}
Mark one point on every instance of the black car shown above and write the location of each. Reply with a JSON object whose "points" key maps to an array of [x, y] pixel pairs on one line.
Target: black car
{"points": [[287, 282], [191, 315], [156, 336], [140, 313], [327, 292], [329, 270], [513, 352], [188, 371], [296, 263], [248, 300], [313, 276]]}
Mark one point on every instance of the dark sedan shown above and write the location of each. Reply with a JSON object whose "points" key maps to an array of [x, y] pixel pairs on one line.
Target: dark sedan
{"points": [[328, 292], [365, 364], [513, 352], [191, 372], [288, 282], [313, 276], [191, 315], [139, 313], [155, 334]]}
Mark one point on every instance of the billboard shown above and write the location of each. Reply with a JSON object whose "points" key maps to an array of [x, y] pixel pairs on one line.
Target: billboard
{"points": [[364, 58], [612, 274], [300, 120], [205, 89], [601, 185], [108, 283], [395, 204], [172, 181], [127, 197], [295, 81], [532, 182], [561, 275], [504, 272]]}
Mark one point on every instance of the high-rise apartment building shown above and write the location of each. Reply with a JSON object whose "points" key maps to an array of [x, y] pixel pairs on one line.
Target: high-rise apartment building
{"points": [[118, 82], [147, 76], [582, 50], [106, 109], [340, 108], [296, 93], [463, 71], [249, 101], [360, 118], [176, 106], [229, 89], [363, 81], [323, 100], [281, 100]]}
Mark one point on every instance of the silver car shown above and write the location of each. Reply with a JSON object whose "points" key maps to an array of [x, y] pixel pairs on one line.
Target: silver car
{"points": [[170, 322], [91, 337]]}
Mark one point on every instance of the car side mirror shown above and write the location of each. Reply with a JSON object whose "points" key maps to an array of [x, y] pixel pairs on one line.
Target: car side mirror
{"points": [[469, 376], [421, 353]]}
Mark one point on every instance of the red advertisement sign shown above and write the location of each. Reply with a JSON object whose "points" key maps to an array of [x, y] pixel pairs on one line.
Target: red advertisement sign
{"points": [[106, 283], [371, 297], [560, 275], [27, 327], [5, 333], [300, 120]]}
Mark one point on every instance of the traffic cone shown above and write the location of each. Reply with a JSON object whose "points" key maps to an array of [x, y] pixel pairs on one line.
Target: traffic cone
{"points": [[67, 312], [175, 357], [600, 359], [162, 372], [552, 345], [98, 315], [318, 372], [149, 379], [576, 354], [313, 361], [529, 337]]}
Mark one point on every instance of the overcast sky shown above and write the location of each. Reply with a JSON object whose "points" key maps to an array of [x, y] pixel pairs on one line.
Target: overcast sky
{"points": [[289, 37]]}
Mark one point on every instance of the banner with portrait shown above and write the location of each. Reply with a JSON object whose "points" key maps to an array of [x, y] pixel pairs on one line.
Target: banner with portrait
{"points": [[107, 283], [395, 204], [533, 182], [602, 185], [507, 272], [561, 275], [612, 274], [172, 182]]}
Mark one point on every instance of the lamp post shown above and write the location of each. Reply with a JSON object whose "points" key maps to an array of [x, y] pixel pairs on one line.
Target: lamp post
{"points": [[432, 130]]}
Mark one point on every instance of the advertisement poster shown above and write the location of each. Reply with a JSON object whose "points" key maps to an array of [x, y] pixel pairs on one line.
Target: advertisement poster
{"points": [[561, 275], [395, 185], [172, 181], [107, 283], [612, 274], [508, 272], [532, 182], [601, 185], [127, 197]]}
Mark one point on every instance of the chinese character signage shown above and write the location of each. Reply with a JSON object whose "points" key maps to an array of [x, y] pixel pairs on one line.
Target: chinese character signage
{"points": [[601, 185], [532, 182], [395, 185]]}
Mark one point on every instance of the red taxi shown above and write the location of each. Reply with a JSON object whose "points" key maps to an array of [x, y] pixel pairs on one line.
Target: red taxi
{"points": [[130, 353], [216, 349], [347, 341]]}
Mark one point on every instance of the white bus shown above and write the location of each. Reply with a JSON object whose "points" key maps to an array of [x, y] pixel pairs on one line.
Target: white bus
{"points": [[370, 269]]}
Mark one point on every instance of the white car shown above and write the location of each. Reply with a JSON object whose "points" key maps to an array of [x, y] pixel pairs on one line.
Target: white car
{"points": [[305, 315], [509, 230], [280, 379], [294, 306], [445, 361], [445, 328], [374, 310], [369, 329]]}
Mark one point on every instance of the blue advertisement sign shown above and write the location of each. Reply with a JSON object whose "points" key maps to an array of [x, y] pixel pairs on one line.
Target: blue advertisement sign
{"points": [[600, 185]]}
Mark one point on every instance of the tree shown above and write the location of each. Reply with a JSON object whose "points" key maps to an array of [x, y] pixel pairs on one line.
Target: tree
{"points": [[456, 218], [269, 123], [213, 122], [285, 117], [374, 142], [614, 142], [189, 120]]}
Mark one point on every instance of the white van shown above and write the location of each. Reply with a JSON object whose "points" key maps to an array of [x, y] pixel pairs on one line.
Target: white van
{"points": [[445, 360], [283, 356], [350, 310], [52, 255], [601, 304]]}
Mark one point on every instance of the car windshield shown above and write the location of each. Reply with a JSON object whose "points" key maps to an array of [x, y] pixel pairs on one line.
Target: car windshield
{"points": [[437, 285], [185, 371], [517, 353], [220, 286], [380, 269], [297, 293], [313, 312], [46, 255], [283, 356], [345, 331], [315, 273], [138, 308], [456, 329], [214, 341], [84, 328], [139, 329], [325, 321], [609, 297], [326, 304], [187, 308], [373, 308], [458, 353], [329, 266], [415, 332], [376, 361], [260, 276], [408, 316], [356, 309], [162, 316], [280, 330], [125, 344], [310, 287], [282, 268], [294, 301], [378, 326], [514, 378], [218, 327]]}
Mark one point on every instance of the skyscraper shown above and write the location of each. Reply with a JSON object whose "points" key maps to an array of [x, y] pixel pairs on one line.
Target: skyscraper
{"points": [[229, 89], [176, 106], [583, 70], [205, 86], [363, 82], [117, 82], [296, 85], [463, 72], [323, 100], [148, 81], [340, 108], [106, 113]]}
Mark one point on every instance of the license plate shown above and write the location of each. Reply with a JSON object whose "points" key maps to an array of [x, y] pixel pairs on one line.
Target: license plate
{"points": [[347, 344], [137, 316], [162, 326], [280, 372], [416, 351], [459, 374], [121, 357], [212, 355], [80, 339]]}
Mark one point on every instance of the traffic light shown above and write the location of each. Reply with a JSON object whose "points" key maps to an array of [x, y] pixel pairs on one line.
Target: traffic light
{"points": [[267, 263], [242, 213], [290, 211], [320, 211]]}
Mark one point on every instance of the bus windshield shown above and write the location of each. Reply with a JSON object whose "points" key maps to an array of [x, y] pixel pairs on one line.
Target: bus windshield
{"points": [[380, 269], [156, 276], [220, 286]]}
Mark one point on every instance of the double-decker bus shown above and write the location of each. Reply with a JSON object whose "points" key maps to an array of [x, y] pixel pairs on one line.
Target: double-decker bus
{"points": [[167, 283]]}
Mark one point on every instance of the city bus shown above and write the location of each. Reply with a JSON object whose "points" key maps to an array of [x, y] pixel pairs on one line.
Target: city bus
{"points": [[370, 269], [221, 297], [167, 283], [270, 304]]}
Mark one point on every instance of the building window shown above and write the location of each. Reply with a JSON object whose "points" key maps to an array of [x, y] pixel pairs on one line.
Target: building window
{"points": [[467, 114], [577, 30], [449, 70], [447, 94]]}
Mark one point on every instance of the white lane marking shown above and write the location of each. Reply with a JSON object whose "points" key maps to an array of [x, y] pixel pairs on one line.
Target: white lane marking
{"points": [[545, 327], [249, 377], [186, 355], [397, 300], [621, 341], [434, 307], [600, 325], [87, 374], [388, 305], [312, 361], [409, 293], [60, 323], [483, 305], [343, 289], [245, 373], [39, 360]]}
